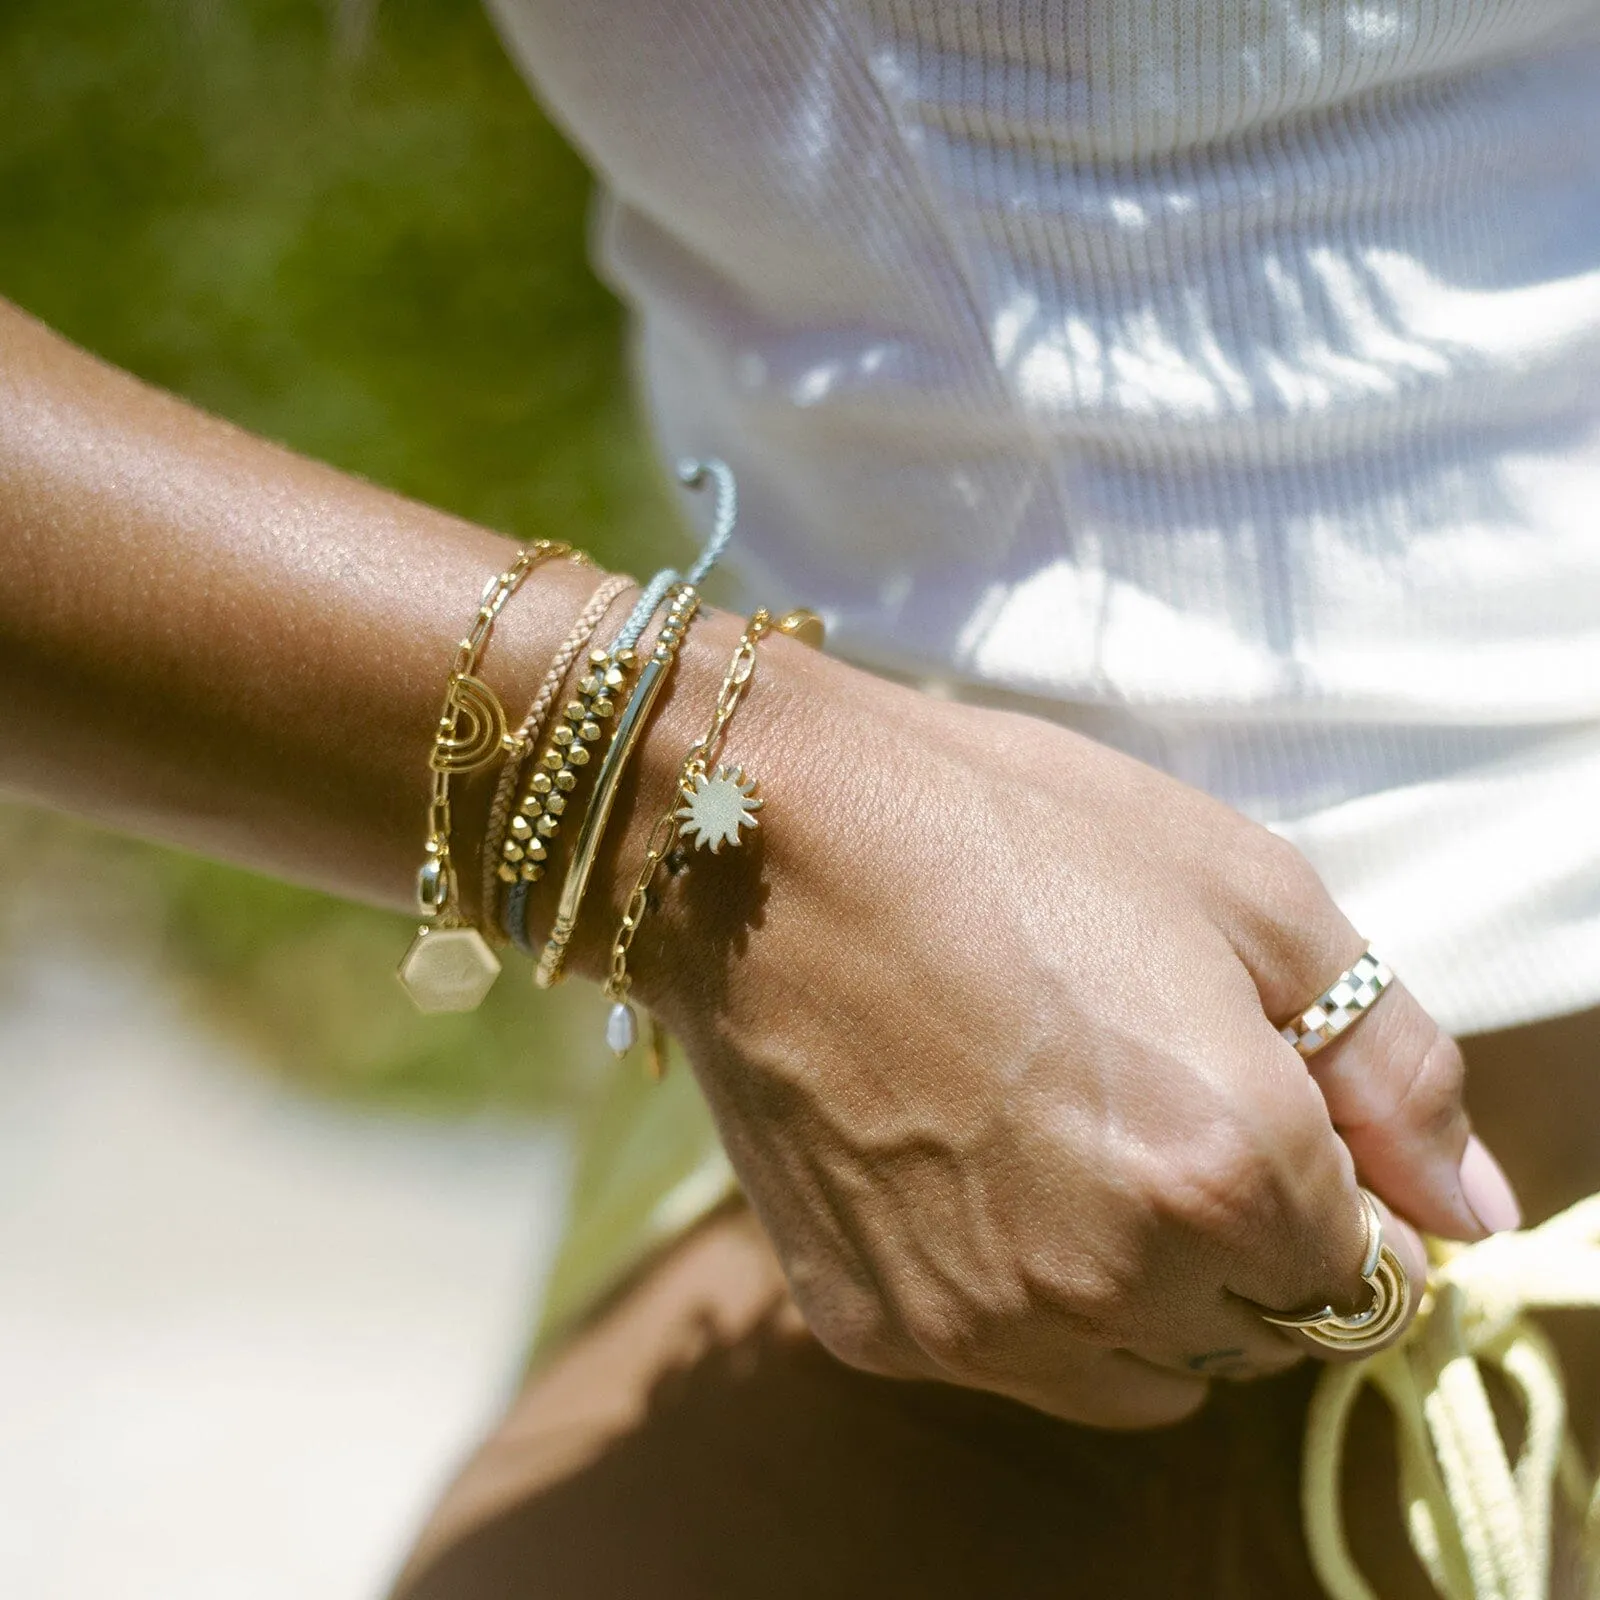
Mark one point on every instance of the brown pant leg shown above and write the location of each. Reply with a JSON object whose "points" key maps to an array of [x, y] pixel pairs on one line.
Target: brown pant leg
{"points": [[696, 1442]]}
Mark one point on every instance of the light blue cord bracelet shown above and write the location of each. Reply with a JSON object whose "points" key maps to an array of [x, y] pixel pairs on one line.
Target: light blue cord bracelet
{"points": [[692, 475]]}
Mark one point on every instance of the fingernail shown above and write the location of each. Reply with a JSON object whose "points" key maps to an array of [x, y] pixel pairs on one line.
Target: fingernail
{"points": [[1487, 1189]]}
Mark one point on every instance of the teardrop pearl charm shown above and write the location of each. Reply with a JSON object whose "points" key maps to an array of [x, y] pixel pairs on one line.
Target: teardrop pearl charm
{"points": [[622, 1029]]}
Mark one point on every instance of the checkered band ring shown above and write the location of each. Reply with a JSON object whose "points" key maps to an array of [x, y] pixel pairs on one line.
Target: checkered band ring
{"points": [[1347, 999]]}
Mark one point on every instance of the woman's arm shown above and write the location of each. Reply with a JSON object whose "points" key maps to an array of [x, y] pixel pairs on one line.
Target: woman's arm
{"points": [[210, 640], [984, 1010]]}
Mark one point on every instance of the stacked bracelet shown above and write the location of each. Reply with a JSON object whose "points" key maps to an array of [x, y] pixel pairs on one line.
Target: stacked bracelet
{"points": [[500, 866], [684, 602], [449, 965], [525, 850]]}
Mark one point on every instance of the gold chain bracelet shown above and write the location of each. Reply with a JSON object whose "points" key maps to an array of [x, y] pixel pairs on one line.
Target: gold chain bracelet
{"points": [[711, 805], [448, 965]]}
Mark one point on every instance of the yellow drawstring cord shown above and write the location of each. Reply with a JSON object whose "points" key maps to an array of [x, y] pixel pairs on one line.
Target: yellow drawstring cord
{"points": [[1479, 1523]]}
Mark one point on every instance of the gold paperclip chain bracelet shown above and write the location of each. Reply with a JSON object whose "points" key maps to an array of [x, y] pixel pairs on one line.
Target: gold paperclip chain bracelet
{"points": [[448, 965], [681, 817]]}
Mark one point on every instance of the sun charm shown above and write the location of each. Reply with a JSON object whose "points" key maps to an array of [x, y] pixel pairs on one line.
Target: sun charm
{"points": [[716, 807]]}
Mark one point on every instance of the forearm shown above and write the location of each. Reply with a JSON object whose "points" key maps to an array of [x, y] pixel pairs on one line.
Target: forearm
{"points": [[210, 640]]}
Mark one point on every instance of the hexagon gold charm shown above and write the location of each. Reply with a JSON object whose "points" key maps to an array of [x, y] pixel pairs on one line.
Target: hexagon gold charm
{"points": [[448, 969]]}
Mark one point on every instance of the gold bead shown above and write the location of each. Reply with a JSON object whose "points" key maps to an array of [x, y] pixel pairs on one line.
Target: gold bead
{"points": [[553, 761], [536, 851], [598, 658], [577, 755], [574, 711], [563, 736], [805, 625], [626, 658], [507, 873], [556, 804], [566, 781], [541, 783], [531, 873], [521, 829], [589, 732], [589, 684], [548, 826], [511, 850], [615, 678], [602, 708]]}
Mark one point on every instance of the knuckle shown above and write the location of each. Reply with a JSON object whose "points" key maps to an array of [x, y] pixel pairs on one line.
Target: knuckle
{"points": [[1098, 1296], [1287, 875], [1283, 918], [1262, 1198], [1099, 1304], [855, 1334], [1285, 884], [979, 1338], [953, 1336], [1216, 1187]]}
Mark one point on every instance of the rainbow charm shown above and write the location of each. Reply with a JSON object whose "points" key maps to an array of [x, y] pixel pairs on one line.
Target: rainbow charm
{"points": [[472, 728]]}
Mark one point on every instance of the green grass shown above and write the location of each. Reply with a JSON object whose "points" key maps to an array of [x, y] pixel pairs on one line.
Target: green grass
{"points": [[373, 251]]}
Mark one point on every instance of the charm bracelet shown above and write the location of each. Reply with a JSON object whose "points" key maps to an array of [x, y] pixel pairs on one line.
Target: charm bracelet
{"points": [[710, 805], [449, 966]]}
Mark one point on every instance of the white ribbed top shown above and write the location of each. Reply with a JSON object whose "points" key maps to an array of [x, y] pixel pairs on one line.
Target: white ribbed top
{"points": [[1222, 375]]}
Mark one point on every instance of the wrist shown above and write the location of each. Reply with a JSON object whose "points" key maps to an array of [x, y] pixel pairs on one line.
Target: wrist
{"points": [[694, 914], [524, 644]]}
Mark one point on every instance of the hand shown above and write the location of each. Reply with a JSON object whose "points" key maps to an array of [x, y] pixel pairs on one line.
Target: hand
{"points": [[986, 1015]]}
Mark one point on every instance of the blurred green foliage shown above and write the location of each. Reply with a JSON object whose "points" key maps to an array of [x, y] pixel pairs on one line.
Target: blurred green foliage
{"points": [[369, 244]]}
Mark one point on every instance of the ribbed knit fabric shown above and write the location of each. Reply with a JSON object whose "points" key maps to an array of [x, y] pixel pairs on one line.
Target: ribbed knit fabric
{"points": [[1221, 377]]}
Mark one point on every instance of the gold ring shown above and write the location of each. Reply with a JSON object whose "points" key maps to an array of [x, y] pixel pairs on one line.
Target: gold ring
{"points": [[1345, 1001], [1384, 1273]]}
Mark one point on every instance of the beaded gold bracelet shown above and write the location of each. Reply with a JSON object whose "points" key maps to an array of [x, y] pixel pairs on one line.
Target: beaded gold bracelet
{"points": [[550, 789], [448, 965], [711, 803], [500, 864], [685, 601]]}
